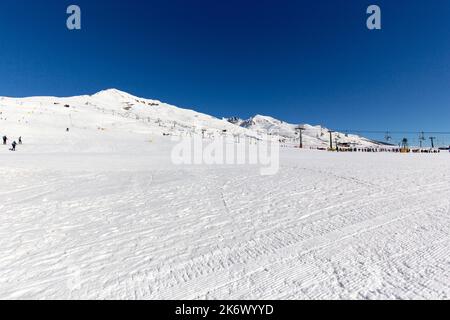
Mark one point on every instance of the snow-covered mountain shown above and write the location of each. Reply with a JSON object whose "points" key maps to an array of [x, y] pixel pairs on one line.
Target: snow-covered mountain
{"points": [[117, 115], [316, 136], [103, 121]]}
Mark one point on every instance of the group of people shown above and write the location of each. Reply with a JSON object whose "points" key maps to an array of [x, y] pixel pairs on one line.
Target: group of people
{"points": [[14, 143]]}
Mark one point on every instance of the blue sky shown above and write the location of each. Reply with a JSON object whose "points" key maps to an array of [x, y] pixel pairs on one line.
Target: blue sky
{"points": [[308, 61]]}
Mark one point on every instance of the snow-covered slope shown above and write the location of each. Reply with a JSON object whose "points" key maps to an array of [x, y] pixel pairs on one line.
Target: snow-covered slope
{"points": [[101, 121], [103, 212], [110, 117], [328, 226], [314, 136]]}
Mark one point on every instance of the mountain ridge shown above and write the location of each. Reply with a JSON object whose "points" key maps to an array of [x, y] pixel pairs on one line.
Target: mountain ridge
{"points": [[114, 109]]}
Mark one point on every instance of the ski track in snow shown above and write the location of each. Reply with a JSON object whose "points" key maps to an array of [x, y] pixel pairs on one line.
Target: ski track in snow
{"points": [[324, 227]]}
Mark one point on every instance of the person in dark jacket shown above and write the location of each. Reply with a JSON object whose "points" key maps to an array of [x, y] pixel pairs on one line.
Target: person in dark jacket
{"points": [[14, 144], [5, 139], [20, 140]]}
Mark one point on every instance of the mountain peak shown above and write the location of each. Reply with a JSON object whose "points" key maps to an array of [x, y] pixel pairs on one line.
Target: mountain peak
{"points": [[114, 94], [259, 117]]}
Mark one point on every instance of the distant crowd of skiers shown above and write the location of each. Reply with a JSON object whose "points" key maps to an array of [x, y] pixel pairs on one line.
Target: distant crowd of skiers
{"points": [[13, 144]]}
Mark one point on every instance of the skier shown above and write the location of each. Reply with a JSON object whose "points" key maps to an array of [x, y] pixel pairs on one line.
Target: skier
{"points": [[14, 144], [20, 140], [5, 139]]}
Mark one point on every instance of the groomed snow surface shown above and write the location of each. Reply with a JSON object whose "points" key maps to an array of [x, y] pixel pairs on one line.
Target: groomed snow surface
{"points": [[102, 211], [130, 225]]}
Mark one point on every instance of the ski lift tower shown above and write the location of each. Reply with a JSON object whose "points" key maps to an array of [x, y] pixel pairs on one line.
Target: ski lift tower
{"points": [[300, 130], [421, 139], [388, 136], [331, 139], [432, 141], [405, 146]]}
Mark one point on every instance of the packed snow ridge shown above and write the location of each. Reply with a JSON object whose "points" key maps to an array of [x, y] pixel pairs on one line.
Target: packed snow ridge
{"points": [[115, 111]]}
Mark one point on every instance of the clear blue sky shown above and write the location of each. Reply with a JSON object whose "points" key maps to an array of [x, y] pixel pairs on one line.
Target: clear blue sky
{"points": [[308, 61]]}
